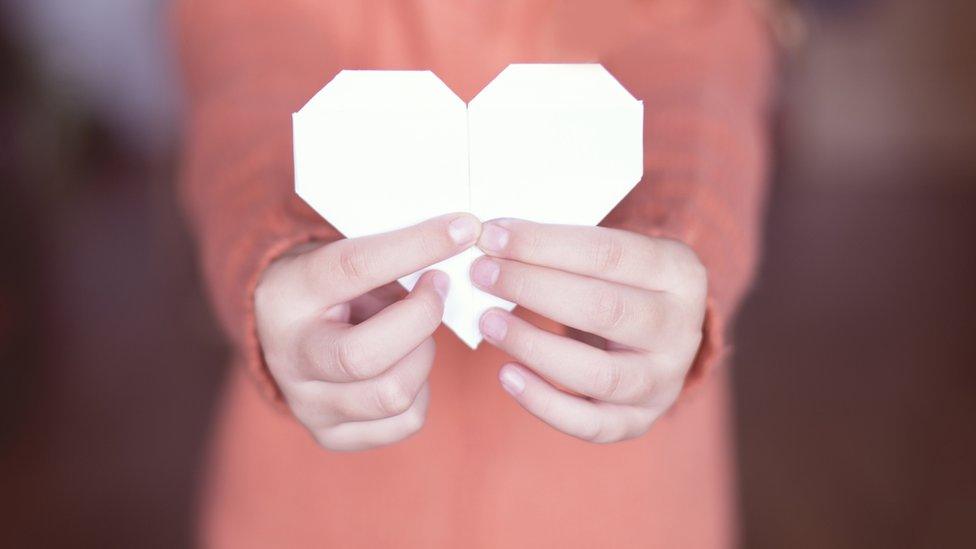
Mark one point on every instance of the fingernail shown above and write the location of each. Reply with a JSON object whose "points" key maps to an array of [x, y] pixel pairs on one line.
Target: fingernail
{"points": [[512, 381], [494, 237], [442, 283], [494, 326], [463, 230], [485, 272]]}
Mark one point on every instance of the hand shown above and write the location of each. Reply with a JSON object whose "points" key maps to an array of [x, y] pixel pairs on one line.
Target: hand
{"points": [[353, 372], [644, 297]]}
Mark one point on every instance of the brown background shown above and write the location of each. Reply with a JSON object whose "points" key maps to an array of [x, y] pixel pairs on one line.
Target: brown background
{"points": [[855, 354]]}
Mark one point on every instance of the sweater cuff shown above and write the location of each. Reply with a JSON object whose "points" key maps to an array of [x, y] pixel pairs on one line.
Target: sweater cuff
{"points": [[713, 349]]}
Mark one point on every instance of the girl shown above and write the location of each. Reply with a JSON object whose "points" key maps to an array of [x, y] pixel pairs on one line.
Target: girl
{"points": [[354, 419]]}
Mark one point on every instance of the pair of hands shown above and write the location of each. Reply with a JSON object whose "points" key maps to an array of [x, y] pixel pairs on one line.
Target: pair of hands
{"points": [[352, 358]]}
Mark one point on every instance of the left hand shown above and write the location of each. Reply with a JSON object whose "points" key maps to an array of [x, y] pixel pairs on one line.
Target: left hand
{"points": [[644, 296]]}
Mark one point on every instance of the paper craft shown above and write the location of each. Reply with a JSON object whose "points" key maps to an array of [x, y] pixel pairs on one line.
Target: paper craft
{"points": [[553, 143]]}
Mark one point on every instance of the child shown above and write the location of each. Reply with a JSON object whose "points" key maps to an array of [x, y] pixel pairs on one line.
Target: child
{"points": [[343, 361]]}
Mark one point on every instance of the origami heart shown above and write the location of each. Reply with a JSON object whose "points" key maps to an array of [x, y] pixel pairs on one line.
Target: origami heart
{"points": [[553, 143]]}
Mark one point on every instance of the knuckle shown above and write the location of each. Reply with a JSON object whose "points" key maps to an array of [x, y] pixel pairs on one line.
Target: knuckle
{"points": [[610, 431], [307, 347], [305, 412], [654, 319], [675, 319], [412, 423], [346, 409], [675, 362], [691, 269], [593, 430], [350, 359], [353, 261], [684, 338], [606, 382], [646, 385], [325, 440], [697, 275], [392, 398], [608, 254], [668, 397], [609, 309]]}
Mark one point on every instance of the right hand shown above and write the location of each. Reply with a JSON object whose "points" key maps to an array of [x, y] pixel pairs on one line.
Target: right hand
{"points": [[350, 359]]}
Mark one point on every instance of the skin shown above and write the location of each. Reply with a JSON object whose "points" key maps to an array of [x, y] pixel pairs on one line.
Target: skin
{"points": [[636, 303], [352, 354], [349, 354]]}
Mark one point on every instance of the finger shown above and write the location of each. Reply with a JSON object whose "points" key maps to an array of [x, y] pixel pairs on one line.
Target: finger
{"points": [[620, 313], [609, 254], [374, 301], [598, 422], [370, 348], [349, 268], [612, 377], [390, 394], [363, 435]]}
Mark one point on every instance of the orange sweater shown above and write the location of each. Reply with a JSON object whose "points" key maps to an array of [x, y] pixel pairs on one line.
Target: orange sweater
{"points": [[482, 473]]}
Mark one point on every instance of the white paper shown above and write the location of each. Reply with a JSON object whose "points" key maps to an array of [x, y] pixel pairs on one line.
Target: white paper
{"points": [[553, 143]]}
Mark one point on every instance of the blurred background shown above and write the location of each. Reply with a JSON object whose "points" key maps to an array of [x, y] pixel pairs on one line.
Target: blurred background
{"points": [[855, 364]]}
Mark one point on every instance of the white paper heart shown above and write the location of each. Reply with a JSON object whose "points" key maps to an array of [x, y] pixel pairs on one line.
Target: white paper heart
{"points": [[553, 143]]}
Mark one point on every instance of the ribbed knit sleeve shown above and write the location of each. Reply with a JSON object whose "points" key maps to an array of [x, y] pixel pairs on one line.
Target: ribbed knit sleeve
{"points": [[246, 67], [705, 159]]}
